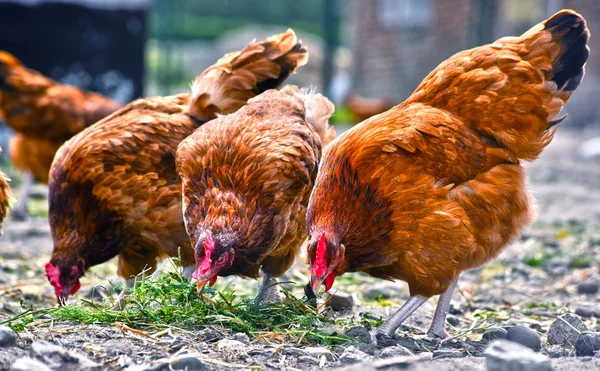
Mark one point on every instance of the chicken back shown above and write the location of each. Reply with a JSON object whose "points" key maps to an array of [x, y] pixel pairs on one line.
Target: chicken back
{"points": [[114, 189], [435, 186]]}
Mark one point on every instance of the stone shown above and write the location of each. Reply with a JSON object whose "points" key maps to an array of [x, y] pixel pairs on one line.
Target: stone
{"points": [[587, 344], [504, 355], [494, 333], [308, 360], [240, 336], [556, 351], [7, 336], [29, 364], [448, 353], [587, 310], [188, 362], [340, 301], [395, 351], [565, 329], [228, 345], [383, 290], [209, 335], [591, 287], [452, 320], [57, 357], [524, 336], [353, 355], [319, 352], [360, 333]]}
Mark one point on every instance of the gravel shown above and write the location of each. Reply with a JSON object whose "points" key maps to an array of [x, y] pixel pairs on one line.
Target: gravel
{"points": [[395, 351], [587, 344], [360, 333], [7, 336], [494, 333], [340, 301], [565, 329], [504, 355]]}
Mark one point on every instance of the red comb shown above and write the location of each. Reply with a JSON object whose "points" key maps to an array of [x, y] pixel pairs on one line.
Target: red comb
{"points": [[209, 247], [321, 257], [53, 275]]}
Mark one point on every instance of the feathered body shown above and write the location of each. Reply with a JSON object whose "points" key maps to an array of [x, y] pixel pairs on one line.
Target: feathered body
{"points": [[435, 185], [44, 114], [114, 189], [246, 180]]}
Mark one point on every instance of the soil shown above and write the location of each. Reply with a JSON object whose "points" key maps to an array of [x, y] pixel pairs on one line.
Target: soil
{"points": [[534, 281]]}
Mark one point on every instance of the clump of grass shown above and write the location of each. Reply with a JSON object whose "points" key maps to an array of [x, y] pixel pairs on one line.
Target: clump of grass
{"points": [[170, 300]]}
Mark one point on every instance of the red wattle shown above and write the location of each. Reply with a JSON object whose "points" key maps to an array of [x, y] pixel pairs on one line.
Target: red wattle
{"points": [[212, 281], [329, 281]]}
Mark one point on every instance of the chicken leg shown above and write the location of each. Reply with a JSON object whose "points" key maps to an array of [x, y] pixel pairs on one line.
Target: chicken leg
{"points": [[390, 326], [268, 291], [438, 325], [20, 211]]}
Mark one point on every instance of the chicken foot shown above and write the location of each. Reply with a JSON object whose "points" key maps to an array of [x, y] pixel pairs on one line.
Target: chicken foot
{"points": [[268, 291], [389, 327], [438, 325], [120, 302], [20, 211]]}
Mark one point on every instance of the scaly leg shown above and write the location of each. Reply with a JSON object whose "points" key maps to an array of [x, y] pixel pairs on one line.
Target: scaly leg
{"points": [[187, 271], [390, 326], [268, 291], [438, 325], [20, 211], [120, 302]]}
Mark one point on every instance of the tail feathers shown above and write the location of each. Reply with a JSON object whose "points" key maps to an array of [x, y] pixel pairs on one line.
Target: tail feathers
{"points": [[318, 111], [567, 36], [227, 85]]}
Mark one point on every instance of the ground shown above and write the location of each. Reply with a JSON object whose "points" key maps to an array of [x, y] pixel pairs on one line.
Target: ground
{"points": [[535, 280]]}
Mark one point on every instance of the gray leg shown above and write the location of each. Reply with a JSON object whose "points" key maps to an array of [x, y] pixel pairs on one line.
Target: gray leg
{"points": [[187, 271], [438, 325], [120, 302], [20, 211], [268, 291], [412, 304]]}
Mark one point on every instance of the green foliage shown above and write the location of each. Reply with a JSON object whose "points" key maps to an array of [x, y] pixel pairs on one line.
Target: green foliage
{"points": [[170, 300]]}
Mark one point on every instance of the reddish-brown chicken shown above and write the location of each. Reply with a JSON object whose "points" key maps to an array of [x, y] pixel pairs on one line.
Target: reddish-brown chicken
{"points": [[363, 108], [114, 188], [44, 114], [435, 186], [246, 180], [5, 197]]}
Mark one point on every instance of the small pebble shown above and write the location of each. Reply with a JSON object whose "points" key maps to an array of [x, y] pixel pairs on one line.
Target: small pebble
{"points": [[494, 333], [395, 351], [308, 360], [448, 353], [587, 310], [7, 337], [353, 355], [556, 351], [209, 335], [453, 320], [587, 344], [565, 329], [240, 336], [29, 364], [340, 301], [318, 352], [524, 336], [230, 345], [359, 333], [187, 362], [590, 288], [504, 355]]}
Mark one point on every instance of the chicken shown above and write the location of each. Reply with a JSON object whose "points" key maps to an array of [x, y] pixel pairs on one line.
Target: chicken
{"points": [[435, 185], [44, 114], [5, 196], [363, 108], [114, 188], [246, 180]]}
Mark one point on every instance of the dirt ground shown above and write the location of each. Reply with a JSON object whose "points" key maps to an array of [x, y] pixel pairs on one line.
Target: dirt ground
{"points": [[534, 281]]}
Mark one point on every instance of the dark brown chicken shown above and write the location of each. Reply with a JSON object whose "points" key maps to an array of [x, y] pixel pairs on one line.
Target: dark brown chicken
{"points": [[246, 181], [435, 185], [5, 197], [44, 114], [114, 189]]}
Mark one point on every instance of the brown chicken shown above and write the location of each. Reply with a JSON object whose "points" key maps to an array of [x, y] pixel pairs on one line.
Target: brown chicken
{"points": [[363, 108], [435, 186], [114, 188], [44, 114], [246, 180], [5, 196]]}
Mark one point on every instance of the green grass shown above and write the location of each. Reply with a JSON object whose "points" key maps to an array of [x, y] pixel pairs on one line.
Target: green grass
{"points": [[169, 300]]}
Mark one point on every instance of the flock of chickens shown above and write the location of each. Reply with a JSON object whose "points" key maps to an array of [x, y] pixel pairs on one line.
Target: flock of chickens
{"points": [[233, 176]]}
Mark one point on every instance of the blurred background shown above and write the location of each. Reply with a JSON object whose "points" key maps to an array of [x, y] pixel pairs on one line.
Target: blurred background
{"points": [[378, 49]]}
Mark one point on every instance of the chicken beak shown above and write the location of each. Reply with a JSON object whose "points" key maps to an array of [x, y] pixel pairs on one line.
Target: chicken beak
{"points": [[315, 284], [200, 285]]}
